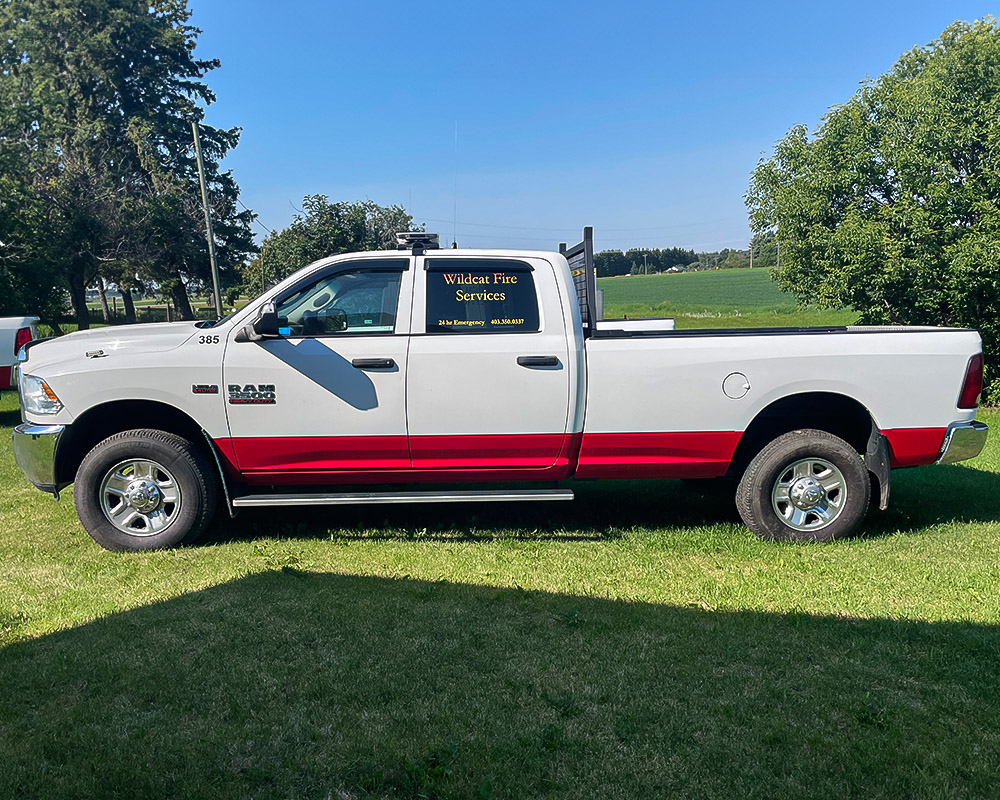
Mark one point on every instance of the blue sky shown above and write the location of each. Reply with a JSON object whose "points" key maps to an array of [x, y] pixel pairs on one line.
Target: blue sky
{"points": [[642, 119]]}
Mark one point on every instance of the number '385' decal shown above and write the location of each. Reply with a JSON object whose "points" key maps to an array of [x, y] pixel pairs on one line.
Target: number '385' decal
{"points": [[208, 339]]}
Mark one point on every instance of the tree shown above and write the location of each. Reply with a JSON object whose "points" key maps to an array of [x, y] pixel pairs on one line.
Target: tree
{"points": [[736, 259], [892, 207], [324, 229], [96, 99], [765, 249], [610, 263]]}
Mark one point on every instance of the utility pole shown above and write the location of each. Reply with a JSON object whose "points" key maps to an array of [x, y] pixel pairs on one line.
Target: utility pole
{"points": [[209, 235], [751, 254], [645, 266]]}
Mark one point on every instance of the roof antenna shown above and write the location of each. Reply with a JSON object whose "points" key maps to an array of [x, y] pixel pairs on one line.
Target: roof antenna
{"points": [[454, 218]]}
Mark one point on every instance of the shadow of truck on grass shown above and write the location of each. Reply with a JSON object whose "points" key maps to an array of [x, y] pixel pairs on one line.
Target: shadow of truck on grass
{"points": [[602, 510], [293, 684]]}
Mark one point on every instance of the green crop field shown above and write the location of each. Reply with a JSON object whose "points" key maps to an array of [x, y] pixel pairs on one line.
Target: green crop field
{"points": [[636, 643], [737, 298]]}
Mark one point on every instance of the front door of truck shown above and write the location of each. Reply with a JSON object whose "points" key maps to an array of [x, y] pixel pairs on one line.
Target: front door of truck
{"points": [[325, 401], [488, 379]]}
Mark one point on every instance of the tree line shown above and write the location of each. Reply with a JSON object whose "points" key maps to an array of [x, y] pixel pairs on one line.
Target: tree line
{"points": [[640, 261]]}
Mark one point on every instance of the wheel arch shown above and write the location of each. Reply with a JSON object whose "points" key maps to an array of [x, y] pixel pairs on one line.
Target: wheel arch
{"points": [[104, 420], [834, 413]]}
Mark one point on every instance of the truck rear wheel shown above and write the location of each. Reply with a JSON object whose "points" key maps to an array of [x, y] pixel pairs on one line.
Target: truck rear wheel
{"points": [[144, 490], [807, 485]]}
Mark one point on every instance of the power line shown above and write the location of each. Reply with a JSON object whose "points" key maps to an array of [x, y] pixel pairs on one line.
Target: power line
{"points": [[572, 230], [256, 216]]}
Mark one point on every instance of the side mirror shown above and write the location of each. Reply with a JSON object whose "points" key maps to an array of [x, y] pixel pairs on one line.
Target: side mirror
{"points": [[264, 327]]}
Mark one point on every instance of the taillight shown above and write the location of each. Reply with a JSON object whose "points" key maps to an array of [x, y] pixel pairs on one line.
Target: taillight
{"points": [[21, 338], [973, 386]]}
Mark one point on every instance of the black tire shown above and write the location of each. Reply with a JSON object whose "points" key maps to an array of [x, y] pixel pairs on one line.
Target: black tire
{"points": [[759, 495], [183, 469]]}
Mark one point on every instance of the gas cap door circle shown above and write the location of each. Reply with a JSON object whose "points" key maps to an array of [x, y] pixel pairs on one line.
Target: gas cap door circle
{"points": [[736, 385]]}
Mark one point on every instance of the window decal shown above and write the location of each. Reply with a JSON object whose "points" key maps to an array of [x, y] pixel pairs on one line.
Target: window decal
{"points": [[480, 295]]}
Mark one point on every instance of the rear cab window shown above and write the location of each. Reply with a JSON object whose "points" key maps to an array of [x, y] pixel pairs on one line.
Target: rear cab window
{"points": [[480, 296]]}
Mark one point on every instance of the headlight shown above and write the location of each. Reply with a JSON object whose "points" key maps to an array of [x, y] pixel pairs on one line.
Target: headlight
{"points": [[37, 397]]}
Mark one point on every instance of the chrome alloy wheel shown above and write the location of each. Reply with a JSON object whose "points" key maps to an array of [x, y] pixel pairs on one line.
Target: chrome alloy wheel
{"points": [[140, 497], [809, 494]]}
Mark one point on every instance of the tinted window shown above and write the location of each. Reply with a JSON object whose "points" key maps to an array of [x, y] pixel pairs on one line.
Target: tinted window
{"points": [[354, 300], [475, 296]]}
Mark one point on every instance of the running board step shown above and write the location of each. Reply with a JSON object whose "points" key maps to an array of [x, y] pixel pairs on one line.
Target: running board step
{"points": [[362, 498]]}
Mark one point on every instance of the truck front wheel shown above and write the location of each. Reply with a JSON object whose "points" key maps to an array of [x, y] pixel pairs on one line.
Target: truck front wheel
{"points": [[144, 490], [807, 485]]}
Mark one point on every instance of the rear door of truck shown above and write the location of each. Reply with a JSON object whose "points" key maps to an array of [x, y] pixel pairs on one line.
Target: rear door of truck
{"points": [[488, 381]]}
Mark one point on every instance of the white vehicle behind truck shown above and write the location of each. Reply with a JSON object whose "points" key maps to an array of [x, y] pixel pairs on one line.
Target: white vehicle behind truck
{"points": [[15, 332], [426, 367]]}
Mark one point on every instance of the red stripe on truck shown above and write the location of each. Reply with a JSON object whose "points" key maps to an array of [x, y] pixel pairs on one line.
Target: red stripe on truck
{"points": [[385, 459], [374, 459], [690, 454], [292, 453], [350, 453], [611, 455], [914, 447], [6, 377], [489, 451]]}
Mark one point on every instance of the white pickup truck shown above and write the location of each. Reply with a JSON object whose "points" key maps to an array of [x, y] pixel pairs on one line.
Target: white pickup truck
{"points": [[427, 367], [15, 332]]}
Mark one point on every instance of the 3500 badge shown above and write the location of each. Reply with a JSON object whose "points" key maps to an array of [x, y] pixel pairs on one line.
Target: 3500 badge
{"points": [[262, 394]]}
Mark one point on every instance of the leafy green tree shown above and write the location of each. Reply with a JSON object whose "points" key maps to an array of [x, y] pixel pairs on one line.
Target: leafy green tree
{"points": [[736, 259], [96, 98], [610, 263], [765, 249], [892, 207], [325, 229]]}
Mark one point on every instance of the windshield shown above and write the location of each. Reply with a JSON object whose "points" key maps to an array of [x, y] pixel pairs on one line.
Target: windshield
{"points": [[211, 323]]}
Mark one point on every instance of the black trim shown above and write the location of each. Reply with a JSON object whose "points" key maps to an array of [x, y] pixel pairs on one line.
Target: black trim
{"points": [[28, 345], [877, 463], [233, 511], [700, 332], [373, 363], [538, 361], [586, 285]]}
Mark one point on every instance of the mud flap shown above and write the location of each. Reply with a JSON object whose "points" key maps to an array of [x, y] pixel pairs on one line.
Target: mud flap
{"points": [[230, 507], [877, 463]]}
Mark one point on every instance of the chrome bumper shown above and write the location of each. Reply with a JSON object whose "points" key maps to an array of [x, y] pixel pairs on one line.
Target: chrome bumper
{"points": [[963, 440], [35, 448]]}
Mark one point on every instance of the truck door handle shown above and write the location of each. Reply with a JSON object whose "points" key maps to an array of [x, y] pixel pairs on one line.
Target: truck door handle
{"points": [[538, 361], [373, 363]]}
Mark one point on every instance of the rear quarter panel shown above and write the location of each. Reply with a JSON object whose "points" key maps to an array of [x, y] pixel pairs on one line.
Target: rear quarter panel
{"points": [[908, 379]]}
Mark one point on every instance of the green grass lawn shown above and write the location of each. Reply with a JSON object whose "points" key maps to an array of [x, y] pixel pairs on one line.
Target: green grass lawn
{"points": [[731, 298], [637, 643]]}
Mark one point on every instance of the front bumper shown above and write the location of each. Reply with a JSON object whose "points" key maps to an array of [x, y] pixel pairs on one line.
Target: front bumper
{"points": [[963, 440], [35, 449]]}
